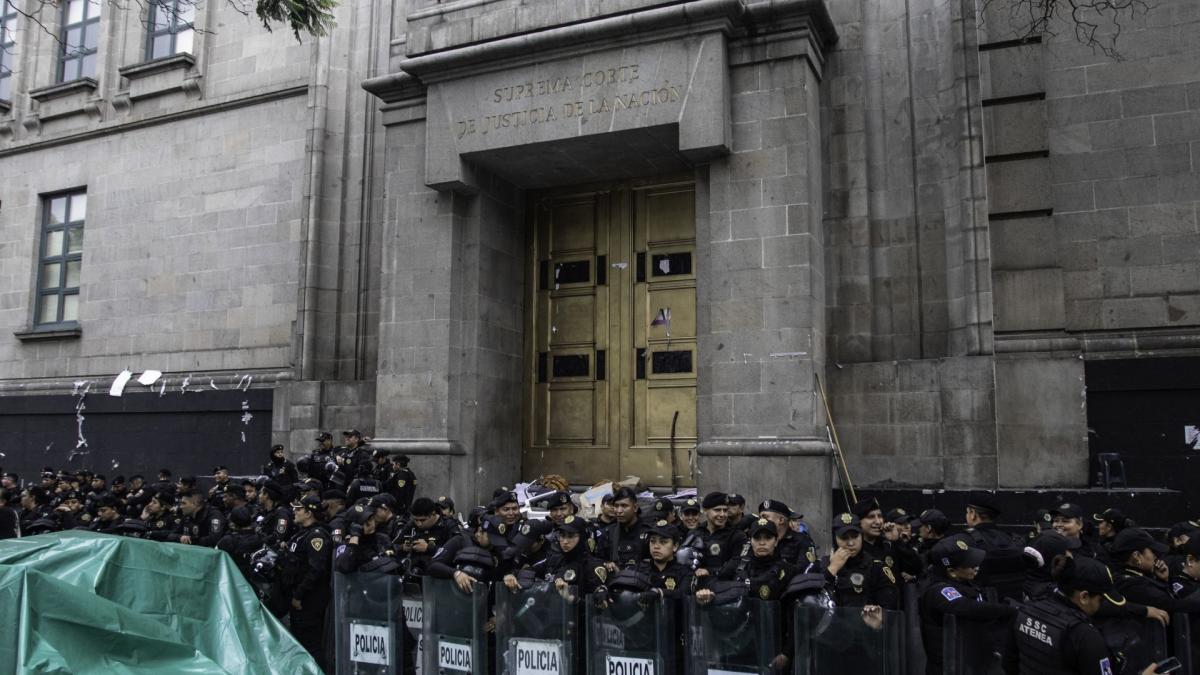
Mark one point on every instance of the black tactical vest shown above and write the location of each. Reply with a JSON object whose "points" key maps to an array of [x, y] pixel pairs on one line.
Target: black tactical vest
{"points": [[1042, 629]]}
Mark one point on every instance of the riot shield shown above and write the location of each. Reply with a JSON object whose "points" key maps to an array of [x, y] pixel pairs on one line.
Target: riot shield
{"points": [[414, 614], [454, 622], [537, 630], [736, 635], [370, 624], [972, 647], [848, 640], [630, 636]]}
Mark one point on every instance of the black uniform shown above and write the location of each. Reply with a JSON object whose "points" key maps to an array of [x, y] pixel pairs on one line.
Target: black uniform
{"points": [[402, 484], [309, 551], [240, 545], [1054, 637], [106, 526], [276, 526], [163, 526], [10, 525], [578, 568], [965, 601], [1182, 585], [205, 527], [861, 582], [627, 545], [797, 548], [765, 578], [1145, 590], [1004, 566], [675, 580], [370, 548], [435, 537], [282, 471], [718, 548]]}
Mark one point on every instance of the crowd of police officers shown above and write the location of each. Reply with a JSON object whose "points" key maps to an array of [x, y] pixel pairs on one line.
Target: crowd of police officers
{"points": [[1068, 596]]}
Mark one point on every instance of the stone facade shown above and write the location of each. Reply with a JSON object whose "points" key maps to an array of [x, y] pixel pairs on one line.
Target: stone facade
{"points": [[919, 207]]}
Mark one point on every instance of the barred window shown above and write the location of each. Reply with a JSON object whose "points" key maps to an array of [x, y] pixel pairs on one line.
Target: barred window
{"points": [[63, 216], [8, 43], [171, 28], [80, 39]]}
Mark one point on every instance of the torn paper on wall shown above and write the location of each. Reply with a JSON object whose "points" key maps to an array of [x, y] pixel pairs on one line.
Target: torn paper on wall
{"points": [[149, 377], [118, 385]]}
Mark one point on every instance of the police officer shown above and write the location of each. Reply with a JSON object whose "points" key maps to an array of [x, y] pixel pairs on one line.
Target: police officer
{"points": [[279, 468], [857, 579], [1003, 568], [386, 521], [668, 578], [108, 514], [334, 503], [931, 525], [353, 453], [402, 483], [1055, 635], [572, 568], [1143, 575], [364, 485], [760, 569], [1041, 552], [952, 591], [689, 516], [1109, 523], [216, 493], [626, 537], [365, 548], [10, 523], [274, 518], [871, 521], [716, 540], [162, 522], [201, 524], [309, 551], [430, 531], [794, 547], [738, 518], [1185, 575], [240, 541]]}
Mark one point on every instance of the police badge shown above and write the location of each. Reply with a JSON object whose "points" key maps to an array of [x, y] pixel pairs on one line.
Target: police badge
{"points": [[669, 583], [887, 560], [715, 549], [857, 579], [764, 592], [569, 575]]}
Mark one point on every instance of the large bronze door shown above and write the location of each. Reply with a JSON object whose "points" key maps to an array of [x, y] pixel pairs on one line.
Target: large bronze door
{"points": [[611, 333]]}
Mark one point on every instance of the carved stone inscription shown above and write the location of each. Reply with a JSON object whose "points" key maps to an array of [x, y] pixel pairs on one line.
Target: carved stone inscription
{"points": [[570, 96]]}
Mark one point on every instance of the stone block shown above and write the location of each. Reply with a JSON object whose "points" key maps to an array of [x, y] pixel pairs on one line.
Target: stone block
{"points": [[1014, 128], [1040, 420], [1022, 243], [1133, 312], [1087, 108], [1154, 100], [1180, 127], [1022, 185], [1012, 71], [1028, 299], [1162, 219]]}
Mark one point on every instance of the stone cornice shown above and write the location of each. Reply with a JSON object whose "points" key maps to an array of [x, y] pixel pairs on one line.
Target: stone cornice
{"points": [[739, 18]]}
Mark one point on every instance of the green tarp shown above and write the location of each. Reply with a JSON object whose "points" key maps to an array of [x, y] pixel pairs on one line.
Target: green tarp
{"points": [[79, 602]]}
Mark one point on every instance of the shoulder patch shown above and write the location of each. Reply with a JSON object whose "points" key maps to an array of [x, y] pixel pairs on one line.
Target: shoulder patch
{"points": [[1176, 587], [317, 543], [1106, 667], [812, 556], [951, 594], [602, 573], [887, 572], [887, 560]]}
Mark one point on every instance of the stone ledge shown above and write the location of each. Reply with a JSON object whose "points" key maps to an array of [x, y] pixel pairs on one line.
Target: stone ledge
{"points": [[765, 447], [82, 85], [419, 446], [161, 76], [56, 334]]}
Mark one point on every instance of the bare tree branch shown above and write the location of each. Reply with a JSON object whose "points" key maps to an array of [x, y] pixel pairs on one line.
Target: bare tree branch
{"points": [[1097, 23]]}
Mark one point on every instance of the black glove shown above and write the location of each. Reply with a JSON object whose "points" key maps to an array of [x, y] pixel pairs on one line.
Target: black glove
{"points": [[356, 530]]}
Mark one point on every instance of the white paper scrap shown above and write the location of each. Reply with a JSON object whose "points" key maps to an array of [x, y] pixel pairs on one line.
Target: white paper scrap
{"points": [[149, 377], [118, 385]]}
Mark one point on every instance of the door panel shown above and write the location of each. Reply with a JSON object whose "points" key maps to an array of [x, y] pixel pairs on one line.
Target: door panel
{"points": [[603, 383]]}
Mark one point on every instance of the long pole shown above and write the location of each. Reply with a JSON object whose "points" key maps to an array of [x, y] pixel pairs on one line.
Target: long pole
{"points": [[837, 444]]}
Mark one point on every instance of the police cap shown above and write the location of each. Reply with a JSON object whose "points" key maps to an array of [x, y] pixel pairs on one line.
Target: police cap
{"points": [[984, 502], [845, 523], [690, 505], [864, 507], [734, 499], [1085, 574], [763, 526], [1187, 527], [956, 551], [898, 516], [934, 519], [1068, 510], [383, 501], [714, 499], [1136, 539], [665, 530], [663, 506], [311, 502], [572, 525], [775, 506], [334, 494]]}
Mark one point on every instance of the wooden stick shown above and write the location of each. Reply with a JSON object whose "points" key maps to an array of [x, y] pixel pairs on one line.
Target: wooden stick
{"points": [[837, 444]]}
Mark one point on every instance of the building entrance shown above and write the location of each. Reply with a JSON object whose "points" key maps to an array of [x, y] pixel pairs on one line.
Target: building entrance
{"points": [[611, 333]]}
